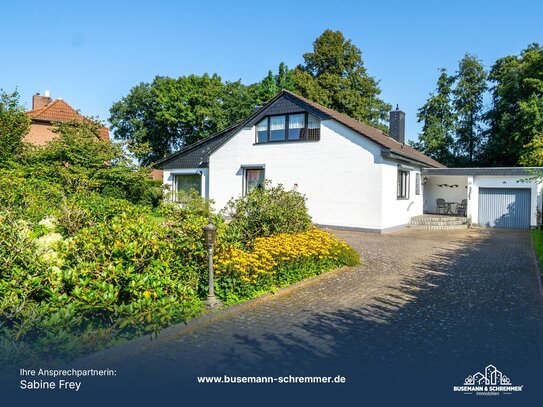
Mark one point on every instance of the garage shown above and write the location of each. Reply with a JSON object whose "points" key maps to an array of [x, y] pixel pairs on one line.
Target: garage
{"points": [[504, 207]]}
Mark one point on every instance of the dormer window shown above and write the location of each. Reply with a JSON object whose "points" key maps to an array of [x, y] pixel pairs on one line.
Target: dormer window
{"points": [[277, 128], [289, 127], [296, 126]]}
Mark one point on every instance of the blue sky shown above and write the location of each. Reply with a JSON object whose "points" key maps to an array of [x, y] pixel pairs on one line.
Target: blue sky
{"points": [[92, 53]]}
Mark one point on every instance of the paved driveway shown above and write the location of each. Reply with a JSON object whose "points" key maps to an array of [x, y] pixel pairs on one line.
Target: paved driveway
{"points": [[422, 312]]}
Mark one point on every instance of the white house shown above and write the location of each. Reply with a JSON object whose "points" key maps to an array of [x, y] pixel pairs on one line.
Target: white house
{"points": [[353, 175]]}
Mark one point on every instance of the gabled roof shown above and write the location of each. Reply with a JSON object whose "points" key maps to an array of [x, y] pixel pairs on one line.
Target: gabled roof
{"points": [[372, 133], [60, 111], [197, 154], [391, 148]]}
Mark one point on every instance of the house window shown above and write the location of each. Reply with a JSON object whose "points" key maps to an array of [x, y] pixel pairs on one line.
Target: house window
{"points": [[403, 184], [291, 127], [277, 128], [185, 183], [296, 126], [262, 131], [313, 128], [254, 178], [417, 183]]}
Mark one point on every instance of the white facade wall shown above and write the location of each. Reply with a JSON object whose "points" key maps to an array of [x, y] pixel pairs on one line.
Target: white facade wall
{"points": [[476, 182], [397, 212], [341, 176]]}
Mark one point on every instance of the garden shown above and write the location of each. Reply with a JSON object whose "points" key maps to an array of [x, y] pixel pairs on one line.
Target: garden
{"points": [[91, 254]]}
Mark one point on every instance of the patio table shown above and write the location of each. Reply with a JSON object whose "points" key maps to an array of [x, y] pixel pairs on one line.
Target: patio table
{"points": [[449, 208]]}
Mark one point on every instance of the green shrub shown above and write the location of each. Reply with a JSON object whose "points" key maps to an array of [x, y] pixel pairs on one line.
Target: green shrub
{"points": [[79, 161], [31, 198], [122, 275], [537, 239], [87, 209], [14, 124], [266, 211]]}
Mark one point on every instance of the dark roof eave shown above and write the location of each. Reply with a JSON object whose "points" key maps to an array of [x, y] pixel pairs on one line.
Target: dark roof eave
{"points": [[489, 171], [197, 144], [394, 155], [40, 121]]}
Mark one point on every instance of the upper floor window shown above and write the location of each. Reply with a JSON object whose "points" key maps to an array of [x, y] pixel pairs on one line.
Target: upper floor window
{"points": [[290, 127], [296, 126], [277, 128], [262, 131]]}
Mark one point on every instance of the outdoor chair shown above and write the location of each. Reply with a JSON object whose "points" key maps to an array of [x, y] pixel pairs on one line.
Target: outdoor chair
{"points": [[441, 207], [462, 207]]}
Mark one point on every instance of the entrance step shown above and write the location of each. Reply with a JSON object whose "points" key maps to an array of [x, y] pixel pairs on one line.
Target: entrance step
{"points": [[438, 222]]}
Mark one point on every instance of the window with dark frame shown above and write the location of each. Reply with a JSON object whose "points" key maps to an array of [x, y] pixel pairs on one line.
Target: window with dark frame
{"points": [[185, 183], [417, 183], [403, 184], [288, 127], [254, 178]]}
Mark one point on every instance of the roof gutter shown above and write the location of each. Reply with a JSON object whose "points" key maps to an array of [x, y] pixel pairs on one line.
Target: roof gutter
{"points": [[394, 155]]}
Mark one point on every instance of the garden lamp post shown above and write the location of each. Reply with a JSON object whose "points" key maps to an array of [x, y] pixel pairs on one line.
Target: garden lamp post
{"points": [[210, 234]]}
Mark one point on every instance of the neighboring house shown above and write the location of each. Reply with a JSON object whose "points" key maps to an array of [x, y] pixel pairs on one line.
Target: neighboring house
{"points": [[45, 111], [353, 175], [157, 175]]}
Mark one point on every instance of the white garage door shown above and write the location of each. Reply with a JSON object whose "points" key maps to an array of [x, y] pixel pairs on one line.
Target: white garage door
{"points": [[504, 208]]}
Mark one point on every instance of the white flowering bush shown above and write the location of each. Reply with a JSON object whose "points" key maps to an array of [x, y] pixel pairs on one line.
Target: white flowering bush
{"points": [[48, 223]]}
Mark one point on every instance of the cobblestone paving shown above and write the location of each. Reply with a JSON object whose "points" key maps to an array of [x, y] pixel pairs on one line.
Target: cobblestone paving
{"points": [[422, 312]]}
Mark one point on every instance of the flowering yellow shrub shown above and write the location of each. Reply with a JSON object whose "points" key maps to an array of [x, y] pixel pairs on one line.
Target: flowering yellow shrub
{"points": [[269, 254]]}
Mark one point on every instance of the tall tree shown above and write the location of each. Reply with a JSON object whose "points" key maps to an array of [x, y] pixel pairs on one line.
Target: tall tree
{"points": [[284, 78], [516, 116], [273, 84], [438, 117], [468, 103], [334, 76], [267, 88], [14, 125], [533, 153], [160, 117]]}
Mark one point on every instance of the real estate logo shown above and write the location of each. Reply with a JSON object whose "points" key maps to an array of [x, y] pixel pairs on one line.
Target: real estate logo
{"points": [[491, 383]]}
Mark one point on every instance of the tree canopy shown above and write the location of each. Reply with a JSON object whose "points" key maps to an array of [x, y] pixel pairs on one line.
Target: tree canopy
{"points": [[334, 75], [468, 103], [160, 117], [14, 125], [438, 118], [515, 120]]}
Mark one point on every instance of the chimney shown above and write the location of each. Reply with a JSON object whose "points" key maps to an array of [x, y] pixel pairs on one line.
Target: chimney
{"points": [[396, 128], [39, 101]]}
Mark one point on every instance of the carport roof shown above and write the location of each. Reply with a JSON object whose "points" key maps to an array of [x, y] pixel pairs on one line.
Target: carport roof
{"points": [[499, 171]]}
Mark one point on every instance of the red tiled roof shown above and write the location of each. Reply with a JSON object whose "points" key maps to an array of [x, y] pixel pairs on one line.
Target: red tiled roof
{"points": [[372, 133], [60, 111]]}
